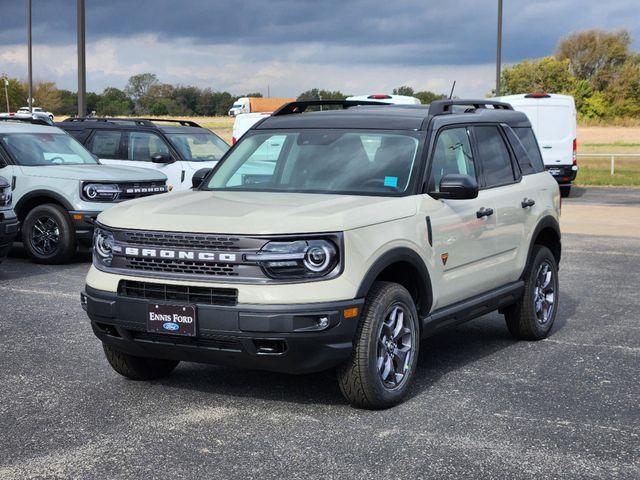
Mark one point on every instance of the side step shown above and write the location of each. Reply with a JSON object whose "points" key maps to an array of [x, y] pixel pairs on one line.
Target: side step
{"points": [[472, 308]]}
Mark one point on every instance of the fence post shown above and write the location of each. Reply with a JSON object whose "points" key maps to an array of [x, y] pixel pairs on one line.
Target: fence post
{"points": [[613, 168]]}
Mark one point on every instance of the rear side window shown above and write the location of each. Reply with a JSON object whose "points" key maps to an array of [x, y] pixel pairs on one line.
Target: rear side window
{"points": [[106, 144], [495, 157], [528, 139]]}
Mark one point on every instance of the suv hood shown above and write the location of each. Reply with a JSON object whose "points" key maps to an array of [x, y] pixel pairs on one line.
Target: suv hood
{"points": [[102, 173], [256, 213]]}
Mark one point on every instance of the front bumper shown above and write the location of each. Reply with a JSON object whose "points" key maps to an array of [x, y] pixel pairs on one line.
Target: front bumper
{"points": [[278, 338], [563, 173], [83, 223], [9, 227]]}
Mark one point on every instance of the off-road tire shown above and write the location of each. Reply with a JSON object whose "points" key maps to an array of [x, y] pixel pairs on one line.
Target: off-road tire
{"points": [[521, 317], [66, 246], [138, 368], [359, 378]]}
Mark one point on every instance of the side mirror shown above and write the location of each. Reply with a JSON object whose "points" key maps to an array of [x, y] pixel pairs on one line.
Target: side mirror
{"points": [[199, 177], [454, 186], [162, 158]]}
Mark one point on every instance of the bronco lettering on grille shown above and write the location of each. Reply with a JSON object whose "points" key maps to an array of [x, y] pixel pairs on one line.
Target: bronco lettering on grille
{"points": [[172, 254]]}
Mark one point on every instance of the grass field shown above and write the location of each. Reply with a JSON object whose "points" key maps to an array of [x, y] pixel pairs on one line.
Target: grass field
{"points": [[596, 170], [591, 139]]}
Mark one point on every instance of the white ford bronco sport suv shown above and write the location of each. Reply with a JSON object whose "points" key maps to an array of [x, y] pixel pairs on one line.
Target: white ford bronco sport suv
{"points": [[335, 238], [59, 188]]}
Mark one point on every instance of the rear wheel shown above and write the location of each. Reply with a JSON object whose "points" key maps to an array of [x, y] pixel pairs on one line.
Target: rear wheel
{"points": [[48, 234], [533, 316], [385, 351], [565, 190], [138, 368]]}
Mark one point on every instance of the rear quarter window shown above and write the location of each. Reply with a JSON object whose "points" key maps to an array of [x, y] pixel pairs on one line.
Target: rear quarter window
{"points": [[528, 140]]}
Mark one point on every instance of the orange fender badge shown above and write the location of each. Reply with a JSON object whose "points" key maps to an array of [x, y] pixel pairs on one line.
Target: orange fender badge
{"points": [[444, 257]]}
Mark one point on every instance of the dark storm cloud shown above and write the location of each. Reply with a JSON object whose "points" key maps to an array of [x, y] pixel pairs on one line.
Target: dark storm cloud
{"points": [[406, 32]]}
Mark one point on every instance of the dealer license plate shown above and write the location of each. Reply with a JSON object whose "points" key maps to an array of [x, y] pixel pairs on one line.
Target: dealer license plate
{"points": [[172, 319]]}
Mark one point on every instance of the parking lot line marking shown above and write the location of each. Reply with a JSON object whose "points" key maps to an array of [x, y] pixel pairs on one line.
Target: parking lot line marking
{"points": [[600, 345], [624, 254], [40, 292]]}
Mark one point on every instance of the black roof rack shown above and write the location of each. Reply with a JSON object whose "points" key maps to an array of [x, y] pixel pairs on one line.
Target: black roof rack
{"points": [[136, 121], [184, 123], [147, 122], [443, 107], [301, 105], [28, 119]]}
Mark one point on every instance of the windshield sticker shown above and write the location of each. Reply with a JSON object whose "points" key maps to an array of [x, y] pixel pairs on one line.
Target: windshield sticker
{"points": [[391, 182]]}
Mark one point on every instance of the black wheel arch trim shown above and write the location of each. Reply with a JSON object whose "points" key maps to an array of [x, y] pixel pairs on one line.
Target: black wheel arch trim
{"points": [[546, 222], [397, 255], [41, 193]]}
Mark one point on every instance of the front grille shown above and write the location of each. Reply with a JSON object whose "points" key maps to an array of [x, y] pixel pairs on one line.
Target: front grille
{"points": [[187, 240], [179, 293], [220, 343], [181, 267], [140, 189]]}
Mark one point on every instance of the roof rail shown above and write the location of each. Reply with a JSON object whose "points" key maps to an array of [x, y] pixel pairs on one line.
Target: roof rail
{"points": [[184, 123], [148, 122], [35, 120], [137, 121], [301, 105], [443, 107]]}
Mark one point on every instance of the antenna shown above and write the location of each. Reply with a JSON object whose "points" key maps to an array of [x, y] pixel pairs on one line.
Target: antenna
{"points": [[452, 88]]}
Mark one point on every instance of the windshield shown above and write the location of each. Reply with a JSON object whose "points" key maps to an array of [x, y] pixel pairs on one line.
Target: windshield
{"points": [[42, 149], [199, 147], [320, 161]]}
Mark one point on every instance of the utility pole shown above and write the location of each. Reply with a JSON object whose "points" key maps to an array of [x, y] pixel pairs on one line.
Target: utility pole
{"points": [[499, 49], [29, 60], [82, 72], [6, 91]]}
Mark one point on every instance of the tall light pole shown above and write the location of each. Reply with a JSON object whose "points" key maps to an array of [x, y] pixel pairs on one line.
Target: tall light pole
{"points": [[6, 91], [29, 57], [82, 73], [499, 49]]}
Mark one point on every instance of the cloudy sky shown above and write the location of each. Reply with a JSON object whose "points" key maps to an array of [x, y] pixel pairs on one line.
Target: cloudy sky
{"points": [[355, 46]]}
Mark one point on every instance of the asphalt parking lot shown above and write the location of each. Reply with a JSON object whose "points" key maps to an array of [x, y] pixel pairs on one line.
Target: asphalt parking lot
{"points": [[483, 406]]}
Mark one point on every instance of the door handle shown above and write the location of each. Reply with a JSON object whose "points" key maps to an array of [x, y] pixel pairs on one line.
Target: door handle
{"points": [[484, 212], [528, 202]]}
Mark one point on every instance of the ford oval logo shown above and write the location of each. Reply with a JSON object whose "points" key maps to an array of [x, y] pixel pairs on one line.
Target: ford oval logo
{"points": [[171, 326]]}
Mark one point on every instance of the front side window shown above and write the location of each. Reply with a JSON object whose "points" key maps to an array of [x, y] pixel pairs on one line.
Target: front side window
{"points": [[452, 154], [144, 146], [106, 144], [495, 157], [198, 147], [320, 161], [43, 149]]}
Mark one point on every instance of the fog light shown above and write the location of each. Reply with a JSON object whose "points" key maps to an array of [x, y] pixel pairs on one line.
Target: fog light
{"points": [[323, 322]]}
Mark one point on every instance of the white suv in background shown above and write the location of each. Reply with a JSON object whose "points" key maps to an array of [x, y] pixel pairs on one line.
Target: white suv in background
{"points": [[59, 188]]}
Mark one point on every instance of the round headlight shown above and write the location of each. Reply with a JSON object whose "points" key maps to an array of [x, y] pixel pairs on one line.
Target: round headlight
{"points": [[317, 258], [104, 244], [91, 191]]}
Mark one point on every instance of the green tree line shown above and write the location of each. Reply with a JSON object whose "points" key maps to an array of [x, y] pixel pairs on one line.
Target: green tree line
{"points": [[596, 67]]}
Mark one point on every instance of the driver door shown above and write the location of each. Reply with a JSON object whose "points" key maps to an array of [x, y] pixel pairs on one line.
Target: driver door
{"points": [[462, 243]]}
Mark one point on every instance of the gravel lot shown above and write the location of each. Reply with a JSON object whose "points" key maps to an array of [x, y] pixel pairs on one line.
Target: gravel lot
{"points": [[483, 406]]}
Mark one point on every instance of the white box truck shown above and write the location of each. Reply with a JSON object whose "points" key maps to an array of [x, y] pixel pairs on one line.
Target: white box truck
{"points": [[553, 118]]}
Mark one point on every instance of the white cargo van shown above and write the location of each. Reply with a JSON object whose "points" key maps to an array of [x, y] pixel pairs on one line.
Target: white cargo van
{"points": [[553, 118]]}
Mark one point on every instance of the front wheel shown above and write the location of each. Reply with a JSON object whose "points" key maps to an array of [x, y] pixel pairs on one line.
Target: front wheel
{"points": [[385, 351], [48, 235], [138, 368], [533, 316]]}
